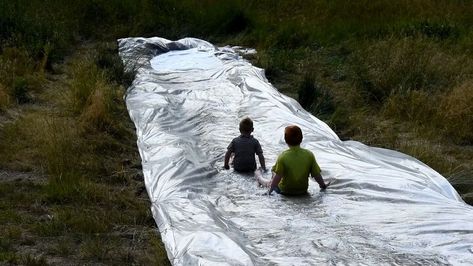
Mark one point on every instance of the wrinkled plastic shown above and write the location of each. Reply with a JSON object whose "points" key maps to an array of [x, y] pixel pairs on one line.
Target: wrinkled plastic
{"points": [[383, 207]]}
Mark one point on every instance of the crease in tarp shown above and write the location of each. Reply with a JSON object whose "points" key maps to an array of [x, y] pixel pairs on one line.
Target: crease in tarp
{"points": [[383, 207]]}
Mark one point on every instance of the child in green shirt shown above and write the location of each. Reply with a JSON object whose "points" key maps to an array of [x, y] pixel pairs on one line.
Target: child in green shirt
{"points": [[293, 166]]}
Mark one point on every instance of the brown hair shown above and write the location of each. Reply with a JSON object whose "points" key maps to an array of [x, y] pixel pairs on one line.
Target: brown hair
{"points": [[246, 126], [293, 135]]}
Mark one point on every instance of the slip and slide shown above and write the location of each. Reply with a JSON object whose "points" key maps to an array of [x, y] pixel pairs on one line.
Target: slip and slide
{"points": [[382, 208]]}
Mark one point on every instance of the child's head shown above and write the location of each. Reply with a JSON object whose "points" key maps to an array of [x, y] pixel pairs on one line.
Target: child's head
{"points": [[246, 126], [293, 135]]}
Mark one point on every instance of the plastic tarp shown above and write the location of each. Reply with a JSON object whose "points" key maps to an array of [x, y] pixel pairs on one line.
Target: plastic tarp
{"points": [[383, 207]]}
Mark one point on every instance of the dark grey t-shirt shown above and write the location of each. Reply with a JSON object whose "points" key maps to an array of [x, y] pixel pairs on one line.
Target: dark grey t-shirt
{"points": [[245, 147]]}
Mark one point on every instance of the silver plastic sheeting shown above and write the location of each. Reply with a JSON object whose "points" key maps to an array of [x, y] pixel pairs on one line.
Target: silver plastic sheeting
{"points": [[383, 207]]}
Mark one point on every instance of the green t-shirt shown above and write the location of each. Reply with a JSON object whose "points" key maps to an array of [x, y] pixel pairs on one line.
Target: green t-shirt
{"points": [[294, 165]]}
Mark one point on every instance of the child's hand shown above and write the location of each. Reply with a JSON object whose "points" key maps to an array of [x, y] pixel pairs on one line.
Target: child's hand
{"points": [[326, 186]]}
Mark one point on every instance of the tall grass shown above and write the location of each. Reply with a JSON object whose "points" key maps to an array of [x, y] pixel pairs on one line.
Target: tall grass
{"points": [[397, 65], [456, 113], [80, 143], [4, 98], [395, 74]]}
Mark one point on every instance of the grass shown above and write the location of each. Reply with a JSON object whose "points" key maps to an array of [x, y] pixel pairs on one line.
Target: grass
{"points": [[456, 112], [4, 98], [81, 193], [394, 74]]}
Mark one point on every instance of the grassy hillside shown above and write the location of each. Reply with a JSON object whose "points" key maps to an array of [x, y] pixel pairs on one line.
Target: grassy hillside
{"points": [[394, 74]]}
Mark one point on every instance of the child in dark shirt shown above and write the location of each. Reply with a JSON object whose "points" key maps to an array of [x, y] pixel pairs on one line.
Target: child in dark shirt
{"points": [[244, 148]]}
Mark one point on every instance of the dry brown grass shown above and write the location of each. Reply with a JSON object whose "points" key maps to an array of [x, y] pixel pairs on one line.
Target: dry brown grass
{"points": [[4, 98], [96, 110], [456, 112], [416, 106], [81, 147], [385, 67]]}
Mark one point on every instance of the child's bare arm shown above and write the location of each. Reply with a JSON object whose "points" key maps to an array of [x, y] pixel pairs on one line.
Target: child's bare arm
{"points": [[320, 180], [274, 182], [227, 160], [262, 162]]}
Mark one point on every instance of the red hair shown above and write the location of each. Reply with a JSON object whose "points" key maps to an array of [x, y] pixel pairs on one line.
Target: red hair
{"points": [[293, 135]]}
